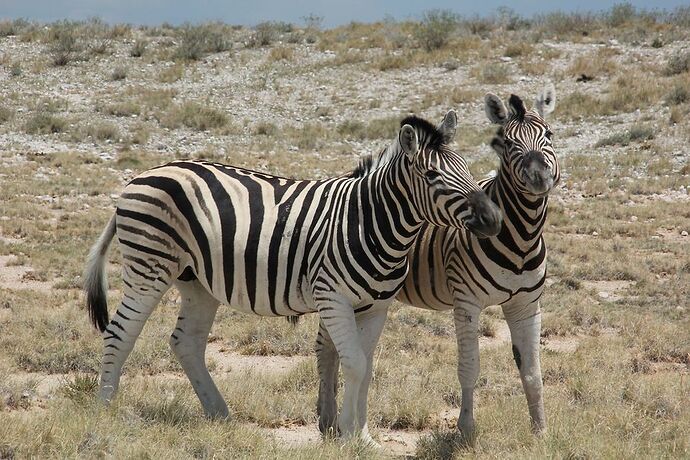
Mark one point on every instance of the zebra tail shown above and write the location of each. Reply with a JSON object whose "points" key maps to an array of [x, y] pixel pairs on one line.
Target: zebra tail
{"points": [[95, 281]]}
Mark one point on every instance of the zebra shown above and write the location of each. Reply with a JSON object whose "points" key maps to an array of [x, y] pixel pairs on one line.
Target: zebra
{"points": [[453, 269], [275, 246]]}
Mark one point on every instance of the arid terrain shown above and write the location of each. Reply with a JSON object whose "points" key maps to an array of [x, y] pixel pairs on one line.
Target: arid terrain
{"points": [[85, 106]]}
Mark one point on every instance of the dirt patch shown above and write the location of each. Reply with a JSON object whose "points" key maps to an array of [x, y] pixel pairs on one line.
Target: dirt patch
{"points": [[229, 361], [20, 276], [610, 290], [501, 336]]}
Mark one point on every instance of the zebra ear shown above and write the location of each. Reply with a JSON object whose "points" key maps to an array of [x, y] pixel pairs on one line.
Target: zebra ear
{"points": [[498, 145], [495, 109], [546, 100], [408, 141], [517, 107], [448, 126]]}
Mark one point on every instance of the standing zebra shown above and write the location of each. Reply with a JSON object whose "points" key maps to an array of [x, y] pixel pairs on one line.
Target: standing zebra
{"points": [[277, 247], [453, 269]]}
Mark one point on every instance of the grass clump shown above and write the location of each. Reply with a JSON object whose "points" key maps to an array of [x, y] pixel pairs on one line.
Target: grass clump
{"points": [[65, 45], [267, 32], [440, 445], [80, 388], [195, 116], [6, 114], [678, 63], [436, 29], [280, 53], [636, 133], [491, 74], [45, 123]]}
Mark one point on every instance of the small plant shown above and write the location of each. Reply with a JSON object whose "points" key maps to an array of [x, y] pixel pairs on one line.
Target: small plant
{"points": [[440, 445], [267, 32], [634, 134], [80, 388], [436, 29], [15, 69], [138, 48], [44, 123], [119, 73], [492, 74], [6, 114], [281, 53], [678, 63]]}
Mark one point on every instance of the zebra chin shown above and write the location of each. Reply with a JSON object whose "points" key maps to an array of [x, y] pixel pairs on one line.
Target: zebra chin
{"points": [[486, 218]]}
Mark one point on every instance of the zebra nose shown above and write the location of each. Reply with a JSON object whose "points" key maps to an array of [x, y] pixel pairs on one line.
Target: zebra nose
{"points": [[486, 218], [538, 175]]}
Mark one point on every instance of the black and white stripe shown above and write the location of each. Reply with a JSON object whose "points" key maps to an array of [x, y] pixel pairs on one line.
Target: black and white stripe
{"points": [[275, 246], [454, 269]]}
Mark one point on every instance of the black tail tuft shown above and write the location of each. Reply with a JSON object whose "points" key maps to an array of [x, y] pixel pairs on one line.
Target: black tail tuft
{"points": [[292, 320]]}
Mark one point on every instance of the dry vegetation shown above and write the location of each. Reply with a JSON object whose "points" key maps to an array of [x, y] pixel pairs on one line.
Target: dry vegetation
{"points": [[85, 106]]}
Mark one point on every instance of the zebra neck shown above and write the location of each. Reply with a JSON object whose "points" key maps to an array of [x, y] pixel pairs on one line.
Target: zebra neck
{"points": [[390, 221], [523, 215]]}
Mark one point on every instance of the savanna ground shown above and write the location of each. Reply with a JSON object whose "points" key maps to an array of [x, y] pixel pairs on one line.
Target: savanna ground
{"points": [[85, 106]]}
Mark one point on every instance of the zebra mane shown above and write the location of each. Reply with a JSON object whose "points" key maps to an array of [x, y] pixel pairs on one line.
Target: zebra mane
{"points": [[428, 133]]}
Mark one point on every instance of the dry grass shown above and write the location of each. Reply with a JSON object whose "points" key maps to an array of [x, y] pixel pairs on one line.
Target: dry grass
{"points": [[615, 364]]}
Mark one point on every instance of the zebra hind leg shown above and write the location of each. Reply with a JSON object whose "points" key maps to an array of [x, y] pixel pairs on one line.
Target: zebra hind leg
{"points": [[141, 293], [188, 342], [327, 363]]}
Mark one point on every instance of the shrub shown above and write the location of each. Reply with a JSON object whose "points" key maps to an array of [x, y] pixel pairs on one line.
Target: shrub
{"points": [[678, 63], [436, 29], [678, 95], [492, 74], [267, 32], [197, 41], [620, 14], [43, 123], [65, 44], [138, 48]]}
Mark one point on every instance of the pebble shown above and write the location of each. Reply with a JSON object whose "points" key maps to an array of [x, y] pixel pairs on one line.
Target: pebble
{"points": [[684, 233], [633, 218], [603, 294], [595, 233]]}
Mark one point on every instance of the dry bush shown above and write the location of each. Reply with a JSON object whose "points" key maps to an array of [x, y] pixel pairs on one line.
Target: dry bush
{"points": [[436, 29], [45, 123], [193, 115], [491, 74], [280, 53], [138, 48], [200, 40]]}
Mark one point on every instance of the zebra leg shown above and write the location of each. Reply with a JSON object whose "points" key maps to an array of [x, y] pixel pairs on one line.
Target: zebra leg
{"points": [[525, 327], [142, 292], [370, 326], [466, 317], [188, 342], [327, 362], [338, 318]]}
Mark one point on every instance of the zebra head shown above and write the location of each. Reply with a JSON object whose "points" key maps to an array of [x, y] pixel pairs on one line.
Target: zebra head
{"points": [[443, 190], [524, 142]]}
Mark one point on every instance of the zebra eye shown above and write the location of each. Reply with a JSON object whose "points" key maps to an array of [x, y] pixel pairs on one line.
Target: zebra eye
{"points": [[432, 175], [548, 135]]}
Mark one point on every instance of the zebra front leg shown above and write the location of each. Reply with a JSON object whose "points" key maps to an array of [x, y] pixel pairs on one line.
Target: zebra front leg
{"points": [[140, 297], [525, 328], [369, 326], [188, 342], [338, 317], [466, 318], [327, 363]]}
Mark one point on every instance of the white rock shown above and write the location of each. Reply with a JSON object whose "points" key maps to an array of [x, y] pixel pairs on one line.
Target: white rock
{"points": [[684, 233], [603, 294], [633, 218], [595, 233]]}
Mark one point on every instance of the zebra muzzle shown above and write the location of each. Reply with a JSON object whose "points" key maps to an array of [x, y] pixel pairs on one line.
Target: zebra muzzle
{"points": [[486, 218]]}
